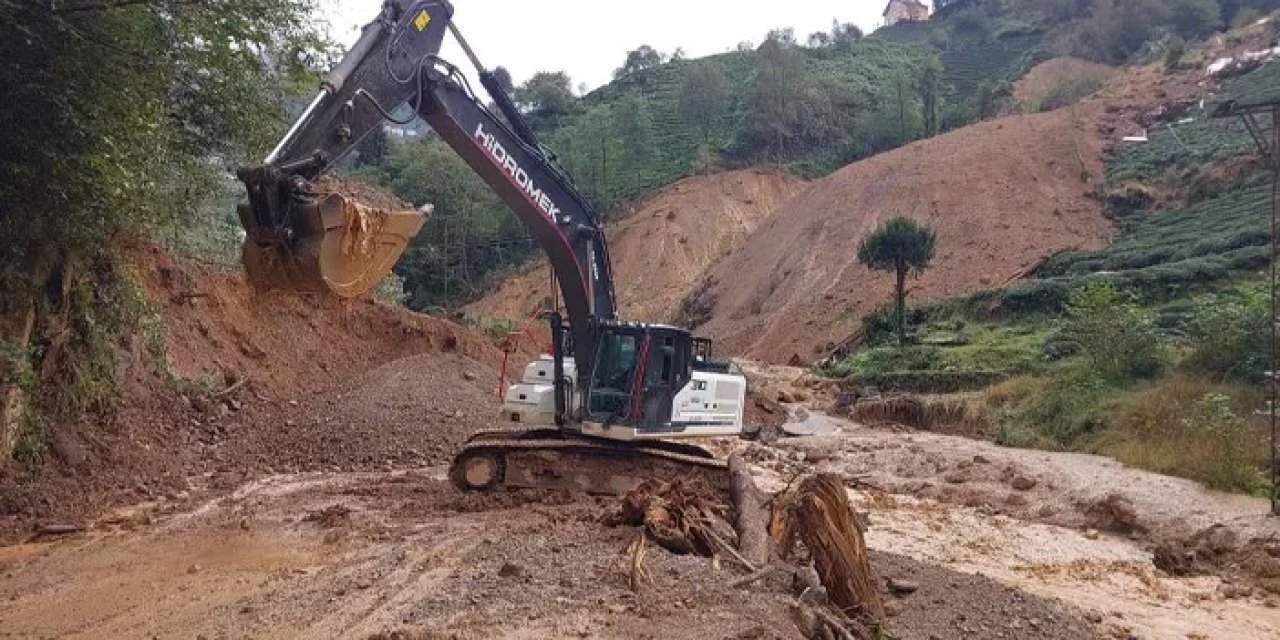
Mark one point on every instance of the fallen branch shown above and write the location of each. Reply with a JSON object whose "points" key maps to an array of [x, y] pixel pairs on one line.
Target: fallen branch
{"points": [[752, 522], [638, 572], [232, 388]]}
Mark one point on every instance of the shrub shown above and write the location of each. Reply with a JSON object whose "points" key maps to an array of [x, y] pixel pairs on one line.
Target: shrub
{"points": [[1066, 414], [1067, 92], [1186, 427], [1117, 337], [1230, 335]]}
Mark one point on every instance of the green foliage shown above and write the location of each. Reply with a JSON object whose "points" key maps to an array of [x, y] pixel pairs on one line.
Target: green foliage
{"points": [[1117, 337], [903, 246], [1230, 336], [645, 57], [1186, 427], [703, 97], [391, 290], [1067, 92], [470, 239], [546, 98], [900, 244]]}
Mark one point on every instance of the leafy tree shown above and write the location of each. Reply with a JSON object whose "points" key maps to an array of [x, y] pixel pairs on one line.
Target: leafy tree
{"points": [[546, 98], [818, 40], [470, 238], [703, 97], [845, 35], [122, 120], [645, 57], [902, 246], [930, 94]]}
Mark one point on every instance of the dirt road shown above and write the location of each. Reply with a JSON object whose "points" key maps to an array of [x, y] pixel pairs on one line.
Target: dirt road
{"points": [[397, 553]]}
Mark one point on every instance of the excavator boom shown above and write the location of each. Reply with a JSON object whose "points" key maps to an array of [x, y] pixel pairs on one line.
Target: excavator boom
{"points": [[607, 381]]}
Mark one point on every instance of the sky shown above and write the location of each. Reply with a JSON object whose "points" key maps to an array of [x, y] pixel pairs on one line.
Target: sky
{"points": [[591, 38]]}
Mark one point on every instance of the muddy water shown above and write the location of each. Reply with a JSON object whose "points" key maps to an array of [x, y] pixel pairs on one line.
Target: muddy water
{"points": [[1110, 577]]}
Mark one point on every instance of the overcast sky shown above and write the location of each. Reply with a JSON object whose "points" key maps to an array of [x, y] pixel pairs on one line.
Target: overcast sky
{"points": [[590, 38]]}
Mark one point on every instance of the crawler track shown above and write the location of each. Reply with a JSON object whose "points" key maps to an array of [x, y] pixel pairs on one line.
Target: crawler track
{"points": [[550, 459]]}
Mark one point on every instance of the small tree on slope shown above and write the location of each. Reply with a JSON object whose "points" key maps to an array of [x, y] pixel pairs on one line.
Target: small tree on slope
{"points": [[902, 246]]}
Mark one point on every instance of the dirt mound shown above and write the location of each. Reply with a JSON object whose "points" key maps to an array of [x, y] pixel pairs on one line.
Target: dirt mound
{"points": [[250, 383], [1002, 196], [1049, 75], [659, 251]]}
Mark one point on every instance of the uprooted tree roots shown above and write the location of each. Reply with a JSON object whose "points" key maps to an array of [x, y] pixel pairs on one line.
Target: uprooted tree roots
{"points": [[687, 517]]}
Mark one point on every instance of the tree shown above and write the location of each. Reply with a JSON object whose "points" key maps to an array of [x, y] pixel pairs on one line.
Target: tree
{"points": [[902, 246], [645, 57], [930, 93], [845, 35], [703, 97], [546, 98]]}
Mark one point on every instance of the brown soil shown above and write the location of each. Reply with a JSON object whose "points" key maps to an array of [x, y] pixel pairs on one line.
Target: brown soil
{"points": [[660, 250], [361, 193], [1002, 196], [255, 388], [1043, 77], [403, 556]]}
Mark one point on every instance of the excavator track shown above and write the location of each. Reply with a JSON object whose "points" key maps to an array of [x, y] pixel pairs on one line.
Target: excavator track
{"points": [[551, 459]]}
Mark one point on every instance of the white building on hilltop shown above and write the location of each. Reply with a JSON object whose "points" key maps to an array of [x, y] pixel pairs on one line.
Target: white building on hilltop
{"points": [[905, 11]]}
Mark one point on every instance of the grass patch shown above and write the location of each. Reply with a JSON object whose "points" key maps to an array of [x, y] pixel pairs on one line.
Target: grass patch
{"points": [[1191, 428]]}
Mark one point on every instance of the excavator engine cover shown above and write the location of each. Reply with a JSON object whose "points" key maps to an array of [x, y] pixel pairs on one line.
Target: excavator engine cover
{"points": [[305, 236]]}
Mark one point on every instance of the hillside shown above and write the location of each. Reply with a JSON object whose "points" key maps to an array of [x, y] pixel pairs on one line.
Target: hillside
{"points": [[225, 383], [1002, 195], [660, 250]]}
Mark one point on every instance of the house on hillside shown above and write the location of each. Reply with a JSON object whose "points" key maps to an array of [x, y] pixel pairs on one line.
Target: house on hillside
{"points": [[905, 11]]}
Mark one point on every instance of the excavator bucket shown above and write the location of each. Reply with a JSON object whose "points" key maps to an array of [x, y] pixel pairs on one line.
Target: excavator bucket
{"points": [[322, 236]]}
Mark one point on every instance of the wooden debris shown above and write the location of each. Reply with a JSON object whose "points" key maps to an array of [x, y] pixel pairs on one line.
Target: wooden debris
{"points": [[752, 521], [826, 523]]}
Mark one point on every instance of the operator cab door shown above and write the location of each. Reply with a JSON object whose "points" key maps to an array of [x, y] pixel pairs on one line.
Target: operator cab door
{"points": [[638, 372]]}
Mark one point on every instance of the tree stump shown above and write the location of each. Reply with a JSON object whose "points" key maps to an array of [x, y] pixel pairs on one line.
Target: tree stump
{"points": [[825, 521]]}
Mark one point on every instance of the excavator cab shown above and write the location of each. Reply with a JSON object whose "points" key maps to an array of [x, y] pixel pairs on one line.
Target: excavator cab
{"points": [[638, 367]]}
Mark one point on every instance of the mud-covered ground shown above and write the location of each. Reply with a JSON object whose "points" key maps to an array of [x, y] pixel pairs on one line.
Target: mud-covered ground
{"points": [[355, 555]]}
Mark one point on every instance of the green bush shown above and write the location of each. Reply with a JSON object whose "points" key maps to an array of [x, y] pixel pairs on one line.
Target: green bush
{"points": [[1230, 335], [1067, 414], [1069, 91], [1117, 338]]}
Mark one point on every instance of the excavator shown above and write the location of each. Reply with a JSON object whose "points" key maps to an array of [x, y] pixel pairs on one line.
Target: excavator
{"points": [[613, 402]]}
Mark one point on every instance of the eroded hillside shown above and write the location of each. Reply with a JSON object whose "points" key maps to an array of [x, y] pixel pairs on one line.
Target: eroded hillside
{"points": [[1002, 195], [660, 251]]}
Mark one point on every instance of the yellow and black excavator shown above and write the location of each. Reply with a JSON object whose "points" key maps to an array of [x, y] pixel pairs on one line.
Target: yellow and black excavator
{"points": [[602, 410]]}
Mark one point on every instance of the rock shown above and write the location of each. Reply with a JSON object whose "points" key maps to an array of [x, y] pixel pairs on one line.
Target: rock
{"points": [[1091, 534], [902, 587], [1022, 483], [980, 460], [469, 376], [58, 529], [511, 570], [68, 448], [785, 397], [193, 569], [957, 476]]}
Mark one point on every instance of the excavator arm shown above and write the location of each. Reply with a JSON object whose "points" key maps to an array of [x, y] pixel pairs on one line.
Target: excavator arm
{"points": [[296, 233]]}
